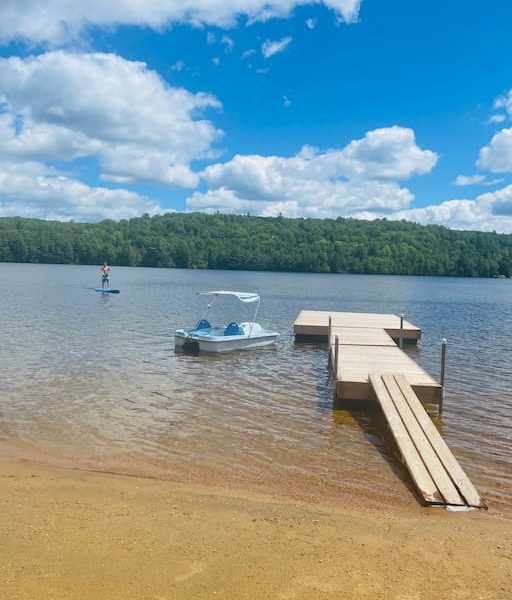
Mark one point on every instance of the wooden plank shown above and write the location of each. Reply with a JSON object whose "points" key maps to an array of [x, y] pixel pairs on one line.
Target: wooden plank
{"points": [[315, 323], [362, 337], [452, 466], [351, 319], [412, 459], [355, 391], [428, 455], [357, 361]]}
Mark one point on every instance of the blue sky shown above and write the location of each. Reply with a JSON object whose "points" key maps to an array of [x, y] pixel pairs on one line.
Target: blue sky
{"points": [[318, 109]]}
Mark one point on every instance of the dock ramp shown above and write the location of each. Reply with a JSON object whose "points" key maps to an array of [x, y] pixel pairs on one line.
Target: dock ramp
{"points": [[436, 473]]}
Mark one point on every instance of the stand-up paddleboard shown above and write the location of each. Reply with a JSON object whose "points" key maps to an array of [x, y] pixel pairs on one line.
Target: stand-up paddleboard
{"points": [[107, 290]]}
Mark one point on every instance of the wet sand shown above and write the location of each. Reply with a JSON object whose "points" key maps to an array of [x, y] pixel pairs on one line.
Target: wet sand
{"points": [[69, 534]]}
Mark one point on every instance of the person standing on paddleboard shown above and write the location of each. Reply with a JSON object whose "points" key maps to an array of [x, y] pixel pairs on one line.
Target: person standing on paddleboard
{"points": [[105, 276]]}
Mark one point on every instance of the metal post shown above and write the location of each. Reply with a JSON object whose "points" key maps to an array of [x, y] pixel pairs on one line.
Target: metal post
{"points": [[336, 357], [444, 343], [401, 337], [329, 333]]}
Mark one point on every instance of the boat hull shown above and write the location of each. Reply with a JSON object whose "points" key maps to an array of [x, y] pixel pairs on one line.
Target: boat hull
{"points": [[219, 344]]}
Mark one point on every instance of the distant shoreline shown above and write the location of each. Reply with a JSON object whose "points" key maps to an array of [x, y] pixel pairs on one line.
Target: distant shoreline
{"points": [[250, 270], [267, 244]]}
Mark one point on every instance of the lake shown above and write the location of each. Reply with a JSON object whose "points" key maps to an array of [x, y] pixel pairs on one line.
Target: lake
{"points": [[92, 381]]}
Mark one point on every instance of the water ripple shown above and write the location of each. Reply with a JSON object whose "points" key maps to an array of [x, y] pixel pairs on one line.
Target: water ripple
{"points": [[95, 380]]}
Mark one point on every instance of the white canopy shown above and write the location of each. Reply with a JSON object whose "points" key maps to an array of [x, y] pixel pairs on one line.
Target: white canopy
{"points": [[246, 297]]}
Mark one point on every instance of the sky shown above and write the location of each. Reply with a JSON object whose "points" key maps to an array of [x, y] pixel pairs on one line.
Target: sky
{"points": [[328, 108]]}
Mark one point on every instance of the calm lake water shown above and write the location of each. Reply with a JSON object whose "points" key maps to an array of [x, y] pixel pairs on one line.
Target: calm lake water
{"points": [[92, 381]]}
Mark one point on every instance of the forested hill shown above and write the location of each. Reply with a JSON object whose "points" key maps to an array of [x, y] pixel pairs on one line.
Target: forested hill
{"points": [[220, 241]]}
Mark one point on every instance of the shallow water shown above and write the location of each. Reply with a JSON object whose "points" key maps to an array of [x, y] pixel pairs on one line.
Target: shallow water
{"points": [[93, 381]]}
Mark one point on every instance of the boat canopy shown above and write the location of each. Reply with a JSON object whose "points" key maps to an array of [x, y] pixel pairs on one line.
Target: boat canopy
{"points": [[246, 297]]}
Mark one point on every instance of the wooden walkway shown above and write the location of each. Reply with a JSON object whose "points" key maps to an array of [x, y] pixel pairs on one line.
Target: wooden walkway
{"points": [[368, 365], [438, 476]]}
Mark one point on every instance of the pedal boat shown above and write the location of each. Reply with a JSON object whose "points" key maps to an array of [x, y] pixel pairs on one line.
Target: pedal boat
{"points": [[205, 337]]}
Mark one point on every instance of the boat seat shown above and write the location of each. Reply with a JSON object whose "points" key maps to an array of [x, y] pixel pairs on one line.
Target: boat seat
{"points": [[233, 329], [203, 324], [252, 328]]}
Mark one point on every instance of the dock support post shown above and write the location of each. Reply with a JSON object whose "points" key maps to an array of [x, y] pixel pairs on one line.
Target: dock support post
{"points": [[329, 333], [336, 357], [444, 343], [401, 337]]}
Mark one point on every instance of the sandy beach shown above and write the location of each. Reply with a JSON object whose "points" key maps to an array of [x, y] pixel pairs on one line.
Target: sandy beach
{"points": [[69, 534]]}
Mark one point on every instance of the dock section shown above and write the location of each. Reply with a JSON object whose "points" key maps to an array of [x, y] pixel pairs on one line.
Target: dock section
{"points": [[367, 364], [313, 324], [439, 478], [366, 342]]}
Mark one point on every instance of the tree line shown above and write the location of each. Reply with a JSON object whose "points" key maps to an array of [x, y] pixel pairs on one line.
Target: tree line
{"points": [[220, 241]]}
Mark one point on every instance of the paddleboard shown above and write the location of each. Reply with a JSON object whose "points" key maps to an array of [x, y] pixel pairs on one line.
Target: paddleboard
{"points": [[108, 291]]}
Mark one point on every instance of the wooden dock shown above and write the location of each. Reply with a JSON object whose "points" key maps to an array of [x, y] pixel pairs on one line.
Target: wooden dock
{"points": [[366, 343], [315, 324], [438, 476], [367, 364]]}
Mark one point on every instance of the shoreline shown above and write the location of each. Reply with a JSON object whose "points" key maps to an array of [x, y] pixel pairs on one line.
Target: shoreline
{"points": [[81, 534], [401, 497]]}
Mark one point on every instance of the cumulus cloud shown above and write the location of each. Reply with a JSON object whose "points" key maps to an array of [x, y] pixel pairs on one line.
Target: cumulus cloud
{"points": [[360, 177], [269, 47], [389, 153], [31, 189], [497, 155], [491, 211], [59, 21], [60, 106]]}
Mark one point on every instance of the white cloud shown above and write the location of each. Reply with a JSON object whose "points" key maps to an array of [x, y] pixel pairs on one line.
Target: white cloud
{"points": [[228, 42], [248, 53], [31, 189], [269, 48], [389, 153], [60, 106], [491, 211], [216, 61], [500, 102], [311, 198], [462, 180], [360, 177], [497, 155], [504, 102], [178, 66], [286, 102], [59, 21], [310, 23]]}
